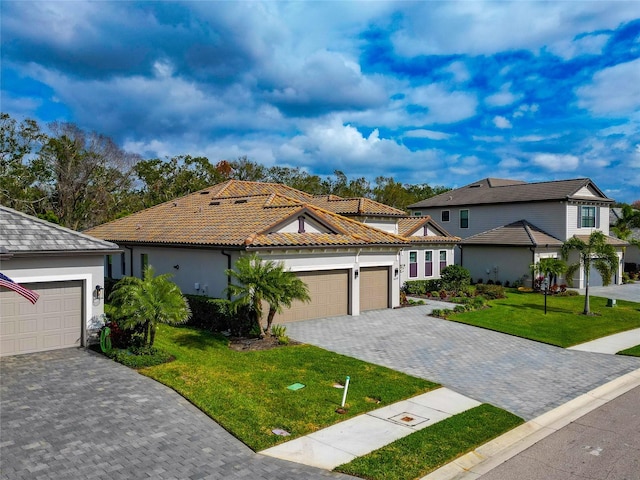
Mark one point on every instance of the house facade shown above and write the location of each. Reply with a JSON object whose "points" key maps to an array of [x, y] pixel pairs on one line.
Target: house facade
{"points": [[349, 265], [507, 225], [65, 268]]}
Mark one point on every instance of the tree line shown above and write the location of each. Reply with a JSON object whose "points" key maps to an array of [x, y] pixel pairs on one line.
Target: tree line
{"points": [[80, 179]]}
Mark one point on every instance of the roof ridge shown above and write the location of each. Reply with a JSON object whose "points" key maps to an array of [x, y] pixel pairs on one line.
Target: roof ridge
{"points": [[527, 229]]}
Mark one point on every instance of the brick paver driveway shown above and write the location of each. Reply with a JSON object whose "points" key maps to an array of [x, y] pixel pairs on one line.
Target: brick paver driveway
{"points": [[71, 414], [525, 377]]}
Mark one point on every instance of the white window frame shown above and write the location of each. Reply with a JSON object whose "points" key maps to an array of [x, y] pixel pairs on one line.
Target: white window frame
{"points": [[416, 264]]}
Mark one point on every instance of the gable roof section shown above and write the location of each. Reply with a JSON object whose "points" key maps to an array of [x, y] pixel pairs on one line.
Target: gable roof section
{"points": [[22, 234], [355, 206], [208, 218], [494, 190], [516, 234], [407, 226]]}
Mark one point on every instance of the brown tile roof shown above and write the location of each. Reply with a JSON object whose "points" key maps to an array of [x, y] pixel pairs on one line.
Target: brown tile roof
{"points": [[616, 242], [355, 206], [494, 190], [209, 218], [520, 233], [241, 188], [407, 226]]}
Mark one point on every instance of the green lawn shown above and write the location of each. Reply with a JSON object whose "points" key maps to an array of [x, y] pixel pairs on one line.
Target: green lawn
{"points": [[246, 392], [522, 314], [426, 450], [633, 351]]}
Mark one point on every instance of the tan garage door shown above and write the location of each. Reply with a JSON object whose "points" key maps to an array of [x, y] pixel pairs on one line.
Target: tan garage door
{"points": [[329, 292], [374, 288], [55, 321]]}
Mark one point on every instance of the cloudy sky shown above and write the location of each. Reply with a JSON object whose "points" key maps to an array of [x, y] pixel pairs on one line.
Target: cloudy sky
{"points": [[443, 93]]}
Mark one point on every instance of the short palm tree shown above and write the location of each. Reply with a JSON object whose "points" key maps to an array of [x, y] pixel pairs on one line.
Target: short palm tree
{"points": [[550, 267], [597, 252], [149, 301], [267, 281]]}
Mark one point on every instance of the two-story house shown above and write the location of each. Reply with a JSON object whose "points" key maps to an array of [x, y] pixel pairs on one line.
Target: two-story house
{"points": [[508, 225]]}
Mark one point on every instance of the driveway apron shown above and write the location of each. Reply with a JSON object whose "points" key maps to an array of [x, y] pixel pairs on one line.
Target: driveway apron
{"points": [[524, 377], [72, 414]]}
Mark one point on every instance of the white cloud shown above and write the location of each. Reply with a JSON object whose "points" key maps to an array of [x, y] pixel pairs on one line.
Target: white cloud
{"points": [[584, 45], [502, 98], [443, 106], [526, 109], [502, 122], [613, 91], [510, 163], [556, 162], [488, 138], [430, 134], [486, 27], [459, 71]]}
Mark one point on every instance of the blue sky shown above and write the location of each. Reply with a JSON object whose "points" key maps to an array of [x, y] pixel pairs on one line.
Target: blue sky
{"points": [[443, 93]]}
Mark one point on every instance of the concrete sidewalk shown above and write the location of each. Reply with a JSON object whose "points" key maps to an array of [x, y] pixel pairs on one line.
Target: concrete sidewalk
{"points": [[365, 433], [611, 344]]}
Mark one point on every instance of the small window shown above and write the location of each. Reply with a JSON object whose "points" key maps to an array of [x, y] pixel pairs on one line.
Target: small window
{"points": [[444, 215], [417, 214], [443, 259], [587, 217], [413, 264], [464, 218], [300, 224], [428, 264], [144, 263]]}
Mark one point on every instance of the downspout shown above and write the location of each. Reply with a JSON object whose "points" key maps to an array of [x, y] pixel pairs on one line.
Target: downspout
{"points": [[130, 261], [533, 262], [228, 255]]}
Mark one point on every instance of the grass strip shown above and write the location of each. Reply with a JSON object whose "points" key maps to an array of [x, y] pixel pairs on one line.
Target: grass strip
{"points": [[632, 352], [422, 452], [246, 392], [522, 314]]}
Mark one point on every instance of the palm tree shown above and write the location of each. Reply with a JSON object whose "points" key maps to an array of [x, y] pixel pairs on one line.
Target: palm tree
{"points": [[290, 288], [266, 281], [149, 301], [597, 252], [550, 268]]}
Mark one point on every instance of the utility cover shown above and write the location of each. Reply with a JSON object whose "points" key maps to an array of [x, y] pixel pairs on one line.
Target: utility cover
{"points": [[296, 386], [408, 419]]}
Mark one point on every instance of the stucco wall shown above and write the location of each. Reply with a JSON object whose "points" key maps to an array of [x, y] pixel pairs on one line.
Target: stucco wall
{"points": [[435, 249], [86, 268], [498, 263]]}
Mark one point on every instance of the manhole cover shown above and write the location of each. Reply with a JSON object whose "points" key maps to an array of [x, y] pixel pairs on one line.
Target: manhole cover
{"points": [[409, 419]]}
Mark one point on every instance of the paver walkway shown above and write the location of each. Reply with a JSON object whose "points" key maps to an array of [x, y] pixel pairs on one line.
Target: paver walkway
{"points": [[71, 414], [524, 377]]}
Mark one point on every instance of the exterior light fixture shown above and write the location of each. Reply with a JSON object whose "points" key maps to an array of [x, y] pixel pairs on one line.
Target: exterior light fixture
{"points": [[356, 273], [98, 292]]}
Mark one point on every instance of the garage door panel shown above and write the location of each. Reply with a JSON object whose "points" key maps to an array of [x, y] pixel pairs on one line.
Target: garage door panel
{"points": [[329, 292], [55, 321], [374, 288]]}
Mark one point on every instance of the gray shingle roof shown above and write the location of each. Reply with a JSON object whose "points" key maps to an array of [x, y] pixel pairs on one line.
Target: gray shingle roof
{"points": [[21, 234], [496, 190], [520, 233]]}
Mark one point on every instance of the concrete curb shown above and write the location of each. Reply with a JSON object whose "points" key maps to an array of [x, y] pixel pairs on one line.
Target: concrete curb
{"points": [[476, 463]]}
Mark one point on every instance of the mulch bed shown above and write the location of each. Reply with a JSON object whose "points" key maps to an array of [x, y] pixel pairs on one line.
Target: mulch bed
{"points": [[244, 344]]}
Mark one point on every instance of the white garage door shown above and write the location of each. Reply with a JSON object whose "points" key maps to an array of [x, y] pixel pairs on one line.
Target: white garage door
{"points": [[329, 292], [374, 288], [55, 321]]}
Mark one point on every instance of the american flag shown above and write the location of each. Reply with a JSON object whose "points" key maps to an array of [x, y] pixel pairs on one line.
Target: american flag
{"points": [[19, 289]]}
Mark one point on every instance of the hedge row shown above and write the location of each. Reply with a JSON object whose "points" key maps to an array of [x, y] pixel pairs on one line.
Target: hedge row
{"points": [[215, 314]]}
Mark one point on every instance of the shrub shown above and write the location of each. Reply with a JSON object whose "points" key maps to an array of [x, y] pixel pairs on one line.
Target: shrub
{"points": [[280, 332], [460, 309], [435, 293], [568, 293], [490, 292], [480, 281], [215, 315], [563, 287], [507, 284], [489, 282], [455, 278], [443, 294], [421, 287], [479, 302], [140, 357]]}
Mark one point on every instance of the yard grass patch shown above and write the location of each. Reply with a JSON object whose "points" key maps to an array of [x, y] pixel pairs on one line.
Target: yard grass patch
{"points": [[246, 392], [522, 314], [633, 351], [426, 450]]}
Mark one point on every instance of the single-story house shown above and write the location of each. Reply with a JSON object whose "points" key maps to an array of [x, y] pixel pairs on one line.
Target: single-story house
{"points": [[349, 266], [65, 268]]}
